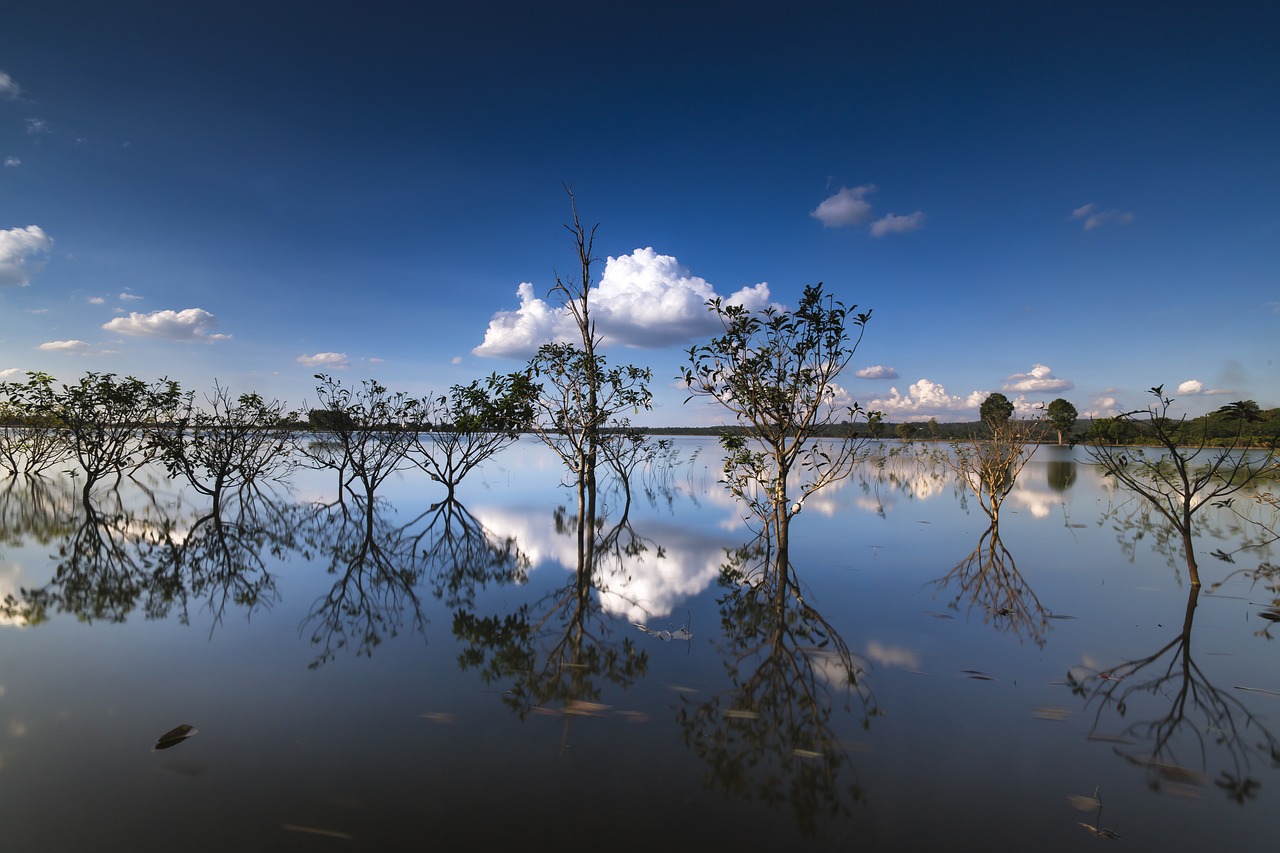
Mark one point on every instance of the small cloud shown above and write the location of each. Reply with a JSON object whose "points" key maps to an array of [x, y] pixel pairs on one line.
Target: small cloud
{"points": [[96, 300], [17, 247], [1040, 378], [335, 360], [1093, 217], [128, 297], [457, 359], [11, 161], [66, 346], [38, 311], [372, 360], [1275, 307], [1195, 388], [877, 371], [1103, 406], [847, 207], [189, 324], [10, 373], [37, 126], [9, 88], [894, 224]]}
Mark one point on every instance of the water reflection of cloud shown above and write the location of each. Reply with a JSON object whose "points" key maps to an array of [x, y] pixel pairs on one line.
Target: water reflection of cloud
{"points": [[638, 586], [892, 656], [10, 586]]}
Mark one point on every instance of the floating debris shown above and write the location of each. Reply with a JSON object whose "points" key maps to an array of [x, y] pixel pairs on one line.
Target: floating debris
{"points": [[633, 716], [936, 615], [1258, 690], [174, 736], [1270, 615], [316, 830], [1083, 803], [1049, 712], [678, 634], [582, 708], [976, 675], [443, 717], [741, 714], [1100, 831]]}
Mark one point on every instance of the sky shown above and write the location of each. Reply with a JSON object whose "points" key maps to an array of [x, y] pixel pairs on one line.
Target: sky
{"points": [[1050, 199]]}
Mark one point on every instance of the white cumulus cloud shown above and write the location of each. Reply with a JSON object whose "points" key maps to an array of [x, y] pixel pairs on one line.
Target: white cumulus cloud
{"points": [[336, 360], [877, 371], [1040, 378], [71, 346], [189, 324], [643, 300], [894, 224], [1093, 217], [924, 398], [1195, 388], [17, 247], [849, 206]]}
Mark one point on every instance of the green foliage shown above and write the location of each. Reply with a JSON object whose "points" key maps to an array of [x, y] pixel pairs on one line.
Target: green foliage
{"points": [[775, 372], [368, 431], [1061, 416], [995, 410]]}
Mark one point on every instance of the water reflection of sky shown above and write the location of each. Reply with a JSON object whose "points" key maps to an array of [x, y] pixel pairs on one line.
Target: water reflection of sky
{"points": [[978, 728]]}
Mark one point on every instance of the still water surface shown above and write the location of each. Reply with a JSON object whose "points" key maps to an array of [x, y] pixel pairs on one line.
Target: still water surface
{"points": [[434, 674]]}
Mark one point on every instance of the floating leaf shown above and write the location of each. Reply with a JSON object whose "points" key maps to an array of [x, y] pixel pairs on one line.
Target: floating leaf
{"points": [[1270, 615], [975, 674], [1083, 803], [174, 736]]}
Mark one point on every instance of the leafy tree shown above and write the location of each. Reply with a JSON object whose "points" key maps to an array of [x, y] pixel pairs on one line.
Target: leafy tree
{"points": [[1173, 481], [905, 431], [368, 431], [775, 371], [471, 424], [995, 410], [1062, 417], [107, 421], [228, 443], [579, 394], [30, 441]]}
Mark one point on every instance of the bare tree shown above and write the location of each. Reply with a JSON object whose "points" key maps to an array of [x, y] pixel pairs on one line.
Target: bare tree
{"points": [[1173, 481]]}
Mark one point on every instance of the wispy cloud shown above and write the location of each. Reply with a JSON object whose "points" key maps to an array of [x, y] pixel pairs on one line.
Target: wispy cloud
{"points": [[848, 206], [10, 373], [11, 161], [1040, 378], [644, 300], [923, 399], [1094, 218], [876, 371], [37, 126], [894, 224], [126, 296], [66, 346], [335, 360], [9, 88], [189, 324], [17, 247]]}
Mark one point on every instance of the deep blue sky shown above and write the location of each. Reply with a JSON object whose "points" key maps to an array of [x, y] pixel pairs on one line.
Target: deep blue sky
{"points": [[1048, 199]]}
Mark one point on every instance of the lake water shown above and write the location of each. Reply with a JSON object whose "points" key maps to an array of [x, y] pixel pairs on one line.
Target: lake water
{"points": [[436, 675]]}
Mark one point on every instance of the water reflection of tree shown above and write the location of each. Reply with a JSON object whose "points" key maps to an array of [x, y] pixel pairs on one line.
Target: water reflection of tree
{"points": [[462, 556], [113, 560], [556, 655], [771, 735], [988, 578], [376, 568], [1201, 720], [35, 508]]}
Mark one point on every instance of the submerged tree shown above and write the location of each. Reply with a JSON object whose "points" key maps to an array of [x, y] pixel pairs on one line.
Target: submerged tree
{"points": [[106, 420], [30, 441], [579, 394], [227, 443], [471, 424], [1174, 481], [989, 466], [363, 433], [775, 371]]}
